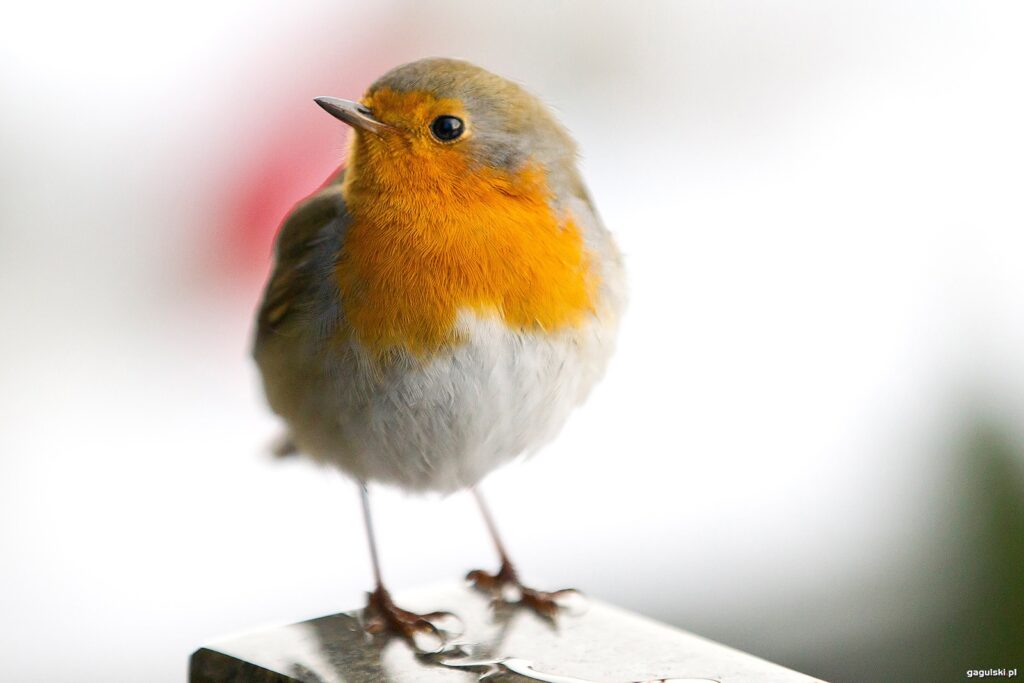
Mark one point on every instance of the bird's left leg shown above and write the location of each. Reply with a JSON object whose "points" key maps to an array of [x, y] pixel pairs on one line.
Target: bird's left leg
{"points": [[383, 615], [504, 585]]}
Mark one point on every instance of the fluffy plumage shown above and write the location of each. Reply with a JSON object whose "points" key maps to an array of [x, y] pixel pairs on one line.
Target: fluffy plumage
{"points": [[440, 309]]}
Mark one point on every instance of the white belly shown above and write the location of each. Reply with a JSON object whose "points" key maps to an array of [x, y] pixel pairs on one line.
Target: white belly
{"points": [[443, 423]]}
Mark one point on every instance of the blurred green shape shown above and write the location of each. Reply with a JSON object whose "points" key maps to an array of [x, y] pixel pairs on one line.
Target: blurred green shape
{"points": [[992, 629]]}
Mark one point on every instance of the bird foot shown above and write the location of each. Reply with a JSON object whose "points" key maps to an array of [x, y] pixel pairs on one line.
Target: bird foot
{"points": [[506, 589], [426, 632]]}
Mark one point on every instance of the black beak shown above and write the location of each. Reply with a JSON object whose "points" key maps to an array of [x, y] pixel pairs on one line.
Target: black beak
{"points": [[352, 113]]}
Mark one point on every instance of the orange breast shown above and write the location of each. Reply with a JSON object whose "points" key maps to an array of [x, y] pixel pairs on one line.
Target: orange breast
{"points": [[413, 258]]}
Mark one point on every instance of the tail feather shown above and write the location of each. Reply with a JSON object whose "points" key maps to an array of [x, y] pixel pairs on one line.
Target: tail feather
{"points": [[284, 446]]}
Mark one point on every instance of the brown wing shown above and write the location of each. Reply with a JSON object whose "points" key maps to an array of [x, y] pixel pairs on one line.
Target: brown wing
{"points": [[304, 254]]}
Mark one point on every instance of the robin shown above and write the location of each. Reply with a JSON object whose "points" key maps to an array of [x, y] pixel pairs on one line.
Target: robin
{"points": [[443, 303]]}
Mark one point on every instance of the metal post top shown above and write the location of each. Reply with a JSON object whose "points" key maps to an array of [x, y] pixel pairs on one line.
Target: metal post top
{"points": [[603, 644]]}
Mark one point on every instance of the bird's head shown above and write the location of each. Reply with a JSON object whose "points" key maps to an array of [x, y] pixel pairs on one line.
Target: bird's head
{"points": [[458, 188], [444, 126]]}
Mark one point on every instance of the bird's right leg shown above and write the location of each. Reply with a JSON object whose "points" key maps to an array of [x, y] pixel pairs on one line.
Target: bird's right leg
{"points": [[544, 603], [382, 615]]}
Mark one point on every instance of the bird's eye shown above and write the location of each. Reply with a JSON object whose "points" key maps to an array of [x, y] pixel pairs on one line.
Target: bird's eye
{"points": [[447, 128]]}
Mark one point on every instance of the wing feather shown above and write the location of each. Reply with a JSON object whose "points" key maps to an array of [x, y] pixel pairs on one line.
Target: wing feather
{"points": [[304, 255]]}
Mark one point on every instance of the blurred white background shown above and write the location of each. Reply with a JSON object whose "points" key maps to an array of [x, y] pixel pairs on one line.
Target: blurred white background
{"points": [[820, 204]]}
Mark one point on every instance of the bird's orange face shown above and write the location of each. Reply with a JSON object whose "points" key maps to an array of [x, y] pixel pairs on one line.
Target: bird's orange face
{"points": [[409, 151], [438, 229]]}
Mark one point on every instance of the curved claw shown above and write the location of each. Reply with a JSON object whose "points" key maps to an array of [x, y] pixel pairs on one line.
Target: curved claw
{"points": [[540, 602], [506, 589], [444, 615], [439, 614], [482, 580], [384, 616]]}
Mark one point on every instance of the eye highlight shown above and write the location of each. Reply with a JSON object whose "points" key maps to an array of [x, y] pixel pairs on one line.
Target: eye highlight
{"points": [[447, 128]]}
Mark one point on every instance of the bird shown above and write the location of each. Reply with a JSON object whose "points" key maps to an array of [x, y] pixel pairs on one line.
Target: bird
{"points": [[442, 304]]}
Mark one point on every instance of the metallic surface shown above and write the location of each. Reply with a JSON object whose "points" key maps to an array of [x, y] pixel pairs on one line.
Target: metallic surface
{"points": [[604, 644]]}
